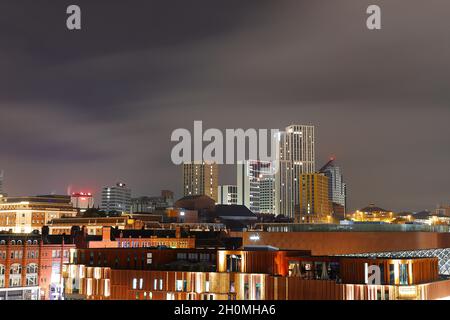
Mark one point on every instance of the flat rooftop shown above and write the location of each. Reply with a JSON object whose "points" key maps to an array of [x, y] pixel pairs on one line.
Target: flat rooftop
{"points": [[357, 227]]}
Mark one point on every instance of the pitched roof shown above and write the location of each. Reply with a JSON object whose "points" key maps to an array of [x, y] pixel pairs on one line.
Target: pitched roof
{"points": [[233, 210]]}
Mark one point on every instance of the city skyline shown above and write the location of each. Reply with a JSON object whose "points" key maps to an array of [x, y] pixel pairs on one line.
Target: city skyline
{"points": [[227, 158], [80, 112]]}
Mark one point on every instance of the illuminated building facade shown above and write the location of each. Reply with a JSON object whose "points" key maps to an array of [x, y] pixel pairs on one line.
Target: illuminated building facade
{"points": [[422, 217], [267, 200], [142, 274], [373, 213], [250, 176], [93, 226], [200, 179], [31, 268], [227, 194], [25, 214], [314, 203], [143, 239], [337, 189], [82, 200], [297, 156], [116, 198]]}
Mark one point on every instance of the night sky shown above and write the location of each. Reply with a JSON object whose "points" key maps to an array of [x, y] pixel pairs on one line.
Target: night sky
{"points": [[93, 107]]}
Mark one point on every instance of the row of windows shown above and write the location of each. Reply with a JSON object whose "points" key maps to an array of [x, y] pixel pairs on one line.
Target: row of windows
{"points": [[17, 268], [57, 253], [143, 259], [17, 281], [171, 296], [18, 242], [145, 244], [158, 284], [19, 254], [195, 256], [32, 254]]}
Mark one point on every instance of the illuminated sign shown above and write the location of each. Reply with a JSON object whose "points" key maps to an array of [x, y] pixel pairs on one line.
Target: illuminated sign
{"points": [[254, 237]]}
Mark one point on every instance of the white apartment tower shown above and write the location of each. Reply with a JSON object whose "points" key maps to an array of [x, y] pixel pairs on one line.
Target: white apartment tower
{"points": [[252, 179], [227, 195], [267, 194], [297, 156]]}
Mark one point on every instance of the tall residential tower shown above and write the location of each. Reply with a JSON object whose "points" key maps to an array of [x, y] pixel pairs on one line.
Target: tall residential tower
{"points": [[297, 157], [253, 185], [200, 179]]}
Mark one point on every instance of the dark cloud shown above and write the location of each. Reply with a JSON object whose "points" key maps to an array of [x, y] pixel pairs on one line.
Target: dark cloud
{"points": [[91, 107]]}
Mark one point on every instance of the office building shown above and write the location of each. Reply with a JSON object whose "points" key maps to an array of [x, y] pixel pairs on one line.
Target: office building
{"points": [[314, 203], [82, 200], [250, 176], [116, 198], [267, 194], [336, 187], [151, 204], [227, 194], [200, 179], [297, 156], [26, 214]]}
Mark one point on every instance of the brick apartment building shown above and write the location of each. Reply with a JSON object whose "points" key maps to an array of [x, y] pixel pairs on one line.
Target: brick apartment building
{"points": [[31, 266]]}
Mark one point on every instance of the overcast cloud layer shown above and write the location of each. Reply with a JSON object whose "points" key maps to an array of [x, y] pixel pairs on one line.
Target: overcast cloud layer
{"points": [[85, 109]]}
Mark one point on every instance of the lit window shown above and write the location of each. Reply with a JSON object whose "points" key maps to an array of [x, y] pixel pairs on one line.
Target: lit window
{"points": [[134, 283], [179, 285]]}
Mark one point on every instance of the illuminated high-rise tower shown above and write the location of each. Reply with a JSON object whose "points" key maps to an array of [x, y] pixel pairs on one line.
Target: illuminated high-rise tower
{"points": [[336, 187], [200, 179], [314, 202], [297, 156], [253, 185]]}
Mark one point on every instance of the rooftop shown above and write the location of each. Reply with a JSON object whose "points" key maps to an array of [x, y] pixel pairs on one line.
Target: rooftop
{"points": [[373, 208], [356, 227]]}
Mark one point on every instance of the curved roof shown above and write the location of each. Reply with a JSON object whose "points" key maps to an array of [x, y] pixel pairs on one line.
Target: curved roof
{"points": [[373, 208]]}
